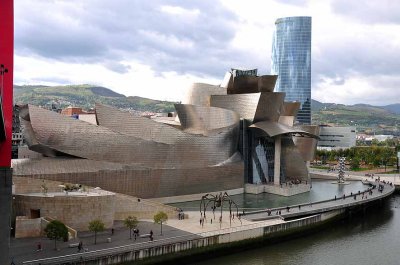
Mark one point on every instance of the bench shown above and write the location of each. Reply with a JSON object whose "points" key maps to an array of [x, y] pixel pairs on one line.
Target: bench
{"points": [[73, 245]]}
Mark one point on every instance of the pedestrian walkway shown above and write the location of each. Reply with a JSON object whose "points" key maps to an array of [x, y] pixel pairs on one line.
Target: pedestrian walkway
{"points": [[26, 248], [350, 200]]}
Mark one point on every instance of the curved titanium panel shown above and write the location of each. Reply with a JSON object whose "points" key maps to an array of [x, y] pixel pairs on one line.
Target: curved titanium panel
{"points": [[243, 104], [269, 107], [289, 112], [273, 129], [292, 162], [266, 83], [244, 84], [290, 108], [81, 139], [141, 127], [205, 120], [306, 145], [209, 150], [199, 94]]}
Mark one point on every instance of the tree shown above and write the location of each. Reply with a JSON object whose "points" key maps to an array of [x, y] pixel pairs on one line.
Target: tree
{"points": [[56, 230], [354, 164], [130, 222], [96, 226], [160, 218]]}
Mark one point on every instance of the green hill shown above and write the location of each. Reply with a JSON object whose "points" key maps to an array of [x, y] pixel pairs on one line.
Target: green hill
{"points": [[384, 119], [85, 96], [379, 119]]}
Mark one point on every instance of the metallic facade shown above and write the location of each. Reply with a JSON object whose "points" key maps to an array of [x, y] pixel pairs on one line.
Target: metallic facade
{"points": [[211, 148], [291, 61]]}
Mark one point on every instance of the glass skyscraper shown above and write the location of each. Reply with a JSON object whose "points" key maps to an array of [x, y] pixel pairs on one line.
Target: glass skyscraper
{"points": [[291, 61]]}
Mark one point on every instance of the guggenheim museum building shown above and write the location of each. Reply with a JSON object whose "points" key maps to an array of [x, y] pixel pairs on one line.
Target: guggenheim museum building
{"points": [[222, 138]]}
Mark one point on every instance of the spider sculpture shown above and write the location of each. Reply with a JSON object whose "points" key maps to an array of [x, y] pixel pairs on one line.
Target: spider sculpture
{"points": [[217, 201]]}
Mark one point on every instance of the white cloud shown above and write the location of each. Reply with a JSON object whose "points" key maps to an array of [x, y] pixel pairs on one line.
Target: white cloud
{"points": [[157, 48]]}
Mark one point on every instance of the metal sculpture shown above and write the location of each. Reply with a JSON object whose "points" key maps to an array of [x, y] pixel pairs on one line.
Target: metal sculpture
{"points": [[341, 170], [217, 201]]}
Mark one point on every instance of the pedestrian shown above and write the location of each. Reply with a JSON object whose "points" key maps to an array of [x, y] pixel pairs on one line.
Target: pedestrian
{"points": [[299, 207], [112, 231], [211, 220], [12, 261], [135, 233], [335, 197], [80, 245], [39, 246]]}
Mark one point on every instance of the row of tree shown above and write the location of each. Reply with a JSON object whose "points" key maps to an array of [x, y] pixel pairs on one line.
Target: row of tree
{"points": [[367, 156], [56, 230]]}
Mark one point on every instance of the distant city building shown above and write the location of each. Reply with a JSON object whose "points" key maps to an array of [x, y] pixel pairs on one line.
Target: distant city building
{"points": [[336, 137], [291, 61], [90, 118], [17, 137], [367, 139], [71, 111]]}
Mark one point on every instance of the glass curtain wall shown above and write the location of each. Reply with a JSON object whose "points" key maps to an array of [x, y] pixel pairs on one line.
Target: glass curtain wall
{"points": [[291, 61]]}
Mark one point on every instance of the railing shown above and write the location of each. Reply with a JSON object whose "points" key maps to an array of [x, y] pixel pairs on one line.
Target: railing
{"points": [[389, 189]]}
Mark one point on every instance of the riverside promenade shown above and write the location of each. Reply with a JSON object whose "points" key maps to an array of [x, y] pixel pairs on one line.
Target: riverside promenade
{"points": [[354, 199], [251, 225]]}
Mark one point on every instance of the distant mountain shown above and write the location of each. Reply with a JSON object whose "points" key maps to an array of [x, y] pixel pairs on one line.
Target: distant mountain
{"points": [[394, 108], [381, 119], [105, 92], [85, 96]]}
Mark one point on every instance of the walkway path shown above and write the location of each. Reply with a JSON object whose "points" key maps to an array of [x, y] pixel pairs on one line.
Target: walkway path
{"points": [[350, 200]]}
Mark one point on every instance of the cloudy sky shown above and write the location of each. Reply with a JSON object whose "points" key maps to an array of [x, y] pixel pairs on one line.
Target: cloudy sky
{"points": [[157, 48]]}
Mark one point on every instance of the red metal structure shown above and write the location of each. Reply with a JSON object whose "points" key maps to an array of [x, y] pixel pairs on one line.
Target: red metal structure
{"points": [[6, 109], [6, 79]]}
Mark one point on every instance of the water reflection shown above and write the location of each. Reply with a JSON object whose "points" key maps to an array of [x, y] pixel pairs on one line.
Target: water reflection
{"points": [[321, 190]]}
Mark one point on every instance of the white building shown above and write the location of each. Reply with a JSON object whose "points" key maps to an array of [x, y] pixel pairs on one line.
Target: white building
{"points": [[336, 137]]}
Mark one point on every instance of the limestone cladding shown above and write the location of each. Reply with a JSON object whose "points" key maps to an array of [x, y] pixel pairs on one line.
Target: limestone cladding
{"points": [[74, 210], [155, 183], [26, 227]]}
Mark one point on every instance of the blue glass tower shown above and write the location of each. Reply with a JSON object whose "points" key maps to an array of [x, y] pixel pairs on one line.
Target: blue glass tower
{"points": [[291, 61]]}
